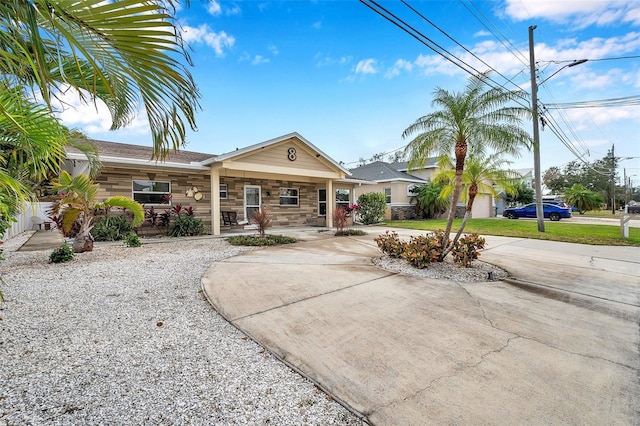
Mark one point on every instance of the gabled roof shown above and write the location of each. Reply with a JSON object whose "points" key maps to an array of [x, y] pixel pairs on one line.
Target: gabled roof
{"points": [[137, 152], [270, 142], [379, 171], [403, 166]]}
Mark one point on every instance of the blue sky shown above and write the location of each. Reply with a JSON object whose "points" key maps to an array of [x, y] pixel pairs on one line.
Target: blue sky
{"points": [[350, 82]]}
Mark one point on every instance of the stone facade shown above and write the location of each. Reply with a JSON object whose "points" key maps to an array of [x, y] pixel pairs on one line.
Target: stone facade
{"points": [[403, 213], [304, 214]]}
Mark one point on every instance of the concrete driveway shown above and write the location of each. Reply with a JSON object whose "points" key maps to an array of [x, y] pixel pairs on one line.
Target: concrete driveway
{"points": [[557, 343]]}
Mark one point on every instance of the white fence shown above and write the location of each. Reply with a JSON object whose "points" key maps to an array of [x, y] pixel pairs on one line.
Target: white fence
{"points": [[24, 221]]}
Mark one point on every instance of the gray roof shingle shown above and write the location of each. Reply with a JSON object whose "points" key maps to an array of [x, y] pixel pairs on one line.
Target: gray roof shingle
{"points": [[138, 152], [379, 171]]}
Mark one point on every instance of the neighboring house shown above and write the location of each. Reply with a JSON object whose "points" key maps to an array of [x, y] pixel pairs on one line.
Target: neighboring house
{"points": [[396, 180], [394, 183], [526, 178], [288, 175]]}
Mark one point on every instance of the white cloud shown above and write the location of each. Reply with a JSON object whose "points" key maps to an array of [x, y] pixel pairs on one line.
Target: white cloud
{"points": [[366, 66], [214, 8], [258, 59], [90, 117], [218, 41], [577, 13], [482, 33], [399, 66], [323, 60], [273, 49], [317, 25]]}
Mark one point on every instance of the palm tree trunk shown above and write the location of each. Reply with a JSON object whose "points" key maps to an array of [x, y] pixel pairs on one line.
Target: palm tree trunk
{"points": [[83, 242], [473, 191], [461, 153]]}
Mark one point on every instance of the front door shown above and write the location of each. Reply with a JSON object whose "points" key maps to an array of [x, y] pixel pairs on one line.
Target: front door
{"points": [[252, 201]]}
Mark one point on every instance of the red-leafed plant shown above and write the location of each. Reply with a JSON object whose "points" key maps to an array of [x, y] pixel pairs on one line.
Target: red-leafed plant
{"points": [[262, 219]]}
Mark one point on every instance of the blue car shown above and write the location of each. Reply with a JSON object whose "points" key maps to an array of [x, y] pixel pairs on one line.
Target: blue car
{"points": [[552, 211]]}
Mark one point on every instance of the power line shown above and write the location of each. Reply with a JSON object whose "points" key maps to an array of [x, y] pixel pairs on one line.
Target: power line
{"points": [[522, 58], [600, 103], [429, 43], [594, 60], [456, 42]]}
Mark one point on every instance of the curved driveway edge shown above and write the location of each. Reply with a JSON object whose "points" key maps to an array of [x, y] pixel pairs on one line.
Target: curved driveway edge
{"points": [[405, 350]]}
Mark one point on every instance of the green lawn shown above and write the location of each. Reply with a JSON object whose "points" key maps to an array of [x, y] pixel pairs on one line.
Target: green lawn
{"points": [[554, 231]]}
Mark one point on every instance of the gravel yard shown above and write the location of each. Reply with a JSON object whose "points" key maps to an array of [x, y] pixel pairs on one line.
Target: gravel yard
{"points": [[125, 336]]}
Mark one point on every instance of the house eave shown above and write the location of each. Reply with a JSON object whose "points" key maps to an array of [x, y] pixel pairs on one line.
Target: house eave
{"points": [[142, 163]]}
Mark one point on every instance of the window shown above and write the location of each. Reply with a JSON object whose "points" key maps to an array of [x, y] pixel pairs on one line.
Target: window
{"points": [[322, 202], [412, 190], [342, 198], [387, 193], [151, 192], [223, 191], [289, 197]]}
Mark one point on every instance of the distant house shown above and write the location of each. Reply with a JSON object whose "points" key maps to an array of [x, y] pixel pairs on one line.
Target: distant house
{"points": [[395, 184], [397, 179], [298, 183]]}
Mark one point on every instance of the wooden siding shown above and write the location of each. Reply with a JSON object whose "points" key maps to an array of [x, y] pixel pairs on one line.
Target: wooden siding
{"points": [[277, 155]]}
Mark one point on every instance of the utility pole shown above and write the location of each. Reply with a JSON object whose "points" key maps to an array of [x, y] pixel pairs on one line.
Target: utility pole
{"points": [[613, 183], [536, 133]]}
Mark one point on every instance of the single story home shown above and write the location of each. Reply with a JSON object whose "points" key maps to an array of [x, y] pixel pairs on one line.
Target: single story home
{"points": [[396, 180], [396, 184], [297, 183]]}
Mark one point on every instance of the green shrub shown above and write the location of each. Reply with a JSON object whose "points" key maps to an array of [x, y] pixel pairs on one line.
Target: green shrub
{"points": [[132, 240], [64, 253], [185, 226], [420, 251], [371, 207], [252, 240], [350, 232], [111, 228], [390, 244], [466, 249]]}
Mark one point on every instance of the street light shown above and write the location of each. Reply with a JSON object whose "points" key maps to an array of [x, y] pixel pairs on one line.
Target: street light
{"points": [[536, 130]]}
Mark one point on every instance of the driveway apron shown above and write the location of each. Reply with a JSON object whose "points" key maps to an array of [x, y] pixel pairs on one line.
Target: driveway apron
{"points": [[557, 343]]}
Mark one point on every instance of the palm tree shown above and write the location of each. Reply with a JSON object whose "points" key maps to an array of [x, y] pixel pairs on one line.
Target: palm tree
{"points": [[125, 53], [582, 198], [428, 200], [77, 203], [479, 176], [479, 117]]}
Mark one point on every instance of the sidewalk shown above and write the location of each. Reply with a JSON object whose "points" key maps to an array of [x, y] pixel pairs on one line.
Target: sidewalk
{"points": [[403, 350], [43, 240]]}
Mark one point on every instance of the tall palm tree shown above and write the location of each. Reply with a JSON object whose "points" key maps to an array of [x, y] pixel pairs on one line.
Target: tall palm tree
{"points": [[478, 117], [124, 52], [78, 203], [479, 176]]}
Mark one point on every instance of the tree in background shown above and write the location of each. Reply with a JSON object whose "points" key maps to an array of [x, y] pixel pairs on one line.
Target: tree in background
{"points": [[482, 174], [522, 194], [595, 177], [429, 203], [583, 199], [480, 117]]}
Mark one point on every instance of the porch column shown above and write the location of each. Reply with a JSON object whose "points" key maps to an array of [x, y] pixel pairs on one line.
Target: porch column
{"points": [[215, 201], [331, 202]]}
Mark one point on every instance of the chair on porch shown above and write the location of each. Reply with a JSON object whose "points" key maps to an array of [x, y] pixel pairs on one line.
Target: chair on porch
{"points": [[229, 218]]}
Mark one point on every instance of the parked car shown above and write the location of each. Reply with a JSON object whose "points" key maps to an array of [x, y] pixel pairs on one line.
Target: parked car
{"points": [[552, 211]]}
